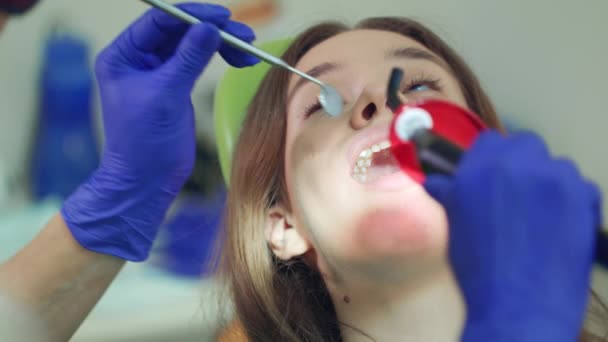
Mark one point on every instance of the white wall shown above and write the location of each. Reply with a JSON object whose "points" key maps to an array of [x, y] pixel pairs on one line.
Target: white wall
{"points": [[543, 61]]}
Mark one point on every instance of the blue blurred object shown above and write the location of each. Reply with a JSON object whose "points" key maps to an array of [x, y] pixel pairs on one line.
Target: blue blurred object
{"points": [[65, 151], [191, 234]]}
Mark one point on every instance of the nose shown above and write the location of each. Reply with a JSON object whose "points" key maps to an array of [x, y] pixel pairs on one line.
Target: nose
{"points": [[371, 104]]}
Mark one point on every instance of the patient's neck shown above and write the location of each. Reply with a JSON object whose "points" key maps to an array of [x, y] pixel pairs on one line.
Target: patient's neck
{"points": [[429, 309]]}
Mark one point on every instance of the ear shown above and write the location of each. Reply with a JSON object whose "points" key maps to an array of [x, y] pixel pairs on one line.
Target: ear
{"points": [[282, 236]]}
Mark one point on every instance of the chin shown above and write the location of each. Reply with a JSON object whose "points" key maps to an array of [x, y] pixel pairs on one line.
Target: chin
{"points": [[395, 244], [402, 226]]}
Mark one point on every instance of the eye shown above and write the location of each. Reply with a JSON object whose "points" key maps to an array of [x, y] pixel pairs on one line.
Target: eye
{"points": [[419, 87], [424, 83], [312, 108]]}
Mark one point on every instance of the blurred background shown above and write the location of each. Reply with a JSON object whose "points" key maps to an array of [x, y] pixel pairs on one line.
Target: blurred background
{"points": [[543, 62]]}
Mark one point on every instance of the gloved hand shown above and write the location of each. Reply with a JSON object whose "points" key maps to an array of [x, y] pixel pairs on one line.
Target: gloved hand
{"points": [[522, 233], [145, 78]]}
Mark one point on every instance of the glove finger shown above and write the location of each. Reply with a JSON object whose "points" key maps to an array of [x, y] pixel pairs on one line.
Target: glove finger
{"points": [[485, 147], [192, 56], [601, 244], [600, 235], [595, 194], [232, 55], [569, 171], [157, 28], [528, 146], [439, 187]]}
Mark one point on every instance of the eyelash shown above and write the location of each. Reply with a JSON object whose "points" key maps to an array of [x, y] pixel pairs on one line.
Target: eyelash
{"points": [[312, 108], [432, 83]]}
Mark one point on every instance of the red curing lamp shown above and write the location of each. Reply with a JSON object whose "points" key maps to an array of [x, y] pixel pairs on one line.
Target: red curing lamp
{"points": [[429, 136]]}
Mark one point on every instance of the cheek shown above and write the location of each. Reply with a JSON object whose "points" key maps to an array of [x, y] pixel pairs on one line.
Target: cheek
{"points": [[320, 192], [456, 95], [316, 170], [317, 187]]}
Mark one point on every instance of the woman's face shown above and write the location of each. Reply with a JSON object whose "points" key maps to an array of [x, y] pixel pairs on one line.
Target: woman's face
{"points": [[370, 222]]}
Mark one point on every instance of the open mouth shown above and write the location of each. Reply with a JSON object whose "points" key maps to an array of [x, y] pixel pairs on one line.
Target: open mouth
{"points": [[374, 163]]}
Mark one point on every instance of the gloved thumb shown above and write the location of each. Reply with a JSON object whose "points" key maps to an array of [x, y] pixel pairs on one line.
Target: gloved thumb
{"points": [[193, 54], [596, 200], [439, 187]]}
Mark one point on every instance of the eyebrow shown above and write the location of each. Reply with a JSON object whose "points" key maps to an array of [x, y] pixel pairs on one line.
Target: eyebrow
{"points": [[405, 52], [315, 72], [416, 53]]}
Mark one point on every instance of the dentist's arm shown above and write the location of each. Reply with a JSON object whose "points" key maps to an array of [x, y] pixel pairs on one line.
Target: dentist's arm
{"points": [[57, 280]]}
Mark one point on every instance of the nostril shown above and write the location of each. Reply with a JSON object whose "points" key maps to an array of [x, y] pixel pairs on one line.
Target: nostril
{"points": [[368, 111]]}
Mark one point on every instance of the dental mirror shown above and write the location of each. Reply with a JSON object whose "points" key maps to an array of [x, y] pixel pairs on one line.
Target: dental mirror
{"points": [[329, 98]]}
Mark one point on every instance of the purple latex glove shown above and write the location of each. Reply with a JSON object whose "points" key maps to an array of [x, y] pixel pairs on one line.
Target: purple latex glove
{"points": [[145, 78], [522, 233]]}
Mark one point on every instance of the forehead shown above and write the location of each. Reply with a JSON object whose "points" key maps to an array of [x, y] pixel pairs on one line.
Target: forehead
{"points": [[354, 47]]}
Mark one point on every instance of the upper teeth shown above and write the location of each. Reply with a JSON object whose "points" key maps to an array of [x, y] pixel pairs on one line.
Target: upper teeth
{"points": [[365, 160]]}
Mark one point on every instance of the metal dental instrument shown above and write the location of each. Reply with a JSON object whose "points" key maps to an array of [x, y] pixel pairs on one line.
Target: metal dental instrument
{"points": [[330, 99]]}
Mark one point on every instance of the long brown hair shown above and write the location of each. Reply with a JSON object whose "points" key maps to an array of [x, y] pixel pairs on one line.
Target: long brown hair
{"points": [[288, 301]]}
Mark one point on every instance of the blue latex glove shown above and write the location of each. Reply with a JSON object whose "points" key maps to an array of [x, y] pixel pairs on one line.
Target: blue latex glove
{"points": [[522, 233], [145, 78]]}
